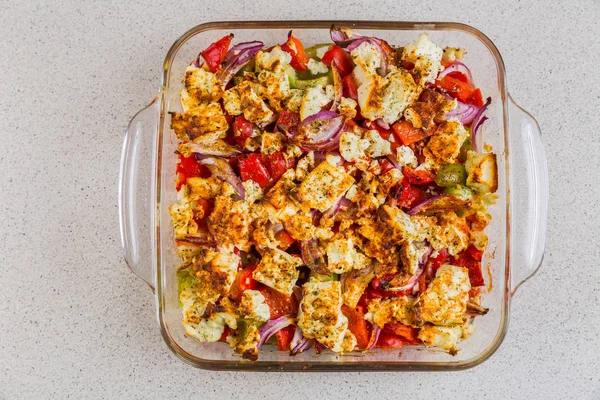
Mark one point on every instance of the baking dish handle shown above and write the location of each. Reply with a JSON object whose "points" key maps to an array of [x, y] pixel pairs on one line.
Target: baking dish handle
{"points": [[529, 195], [135, 192]]}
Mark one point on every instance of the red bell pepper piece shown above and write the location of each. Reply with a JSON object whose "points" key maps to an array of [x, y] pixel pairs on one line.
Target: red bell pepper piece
{"points": [[408, 333], [437, 261], [284, 239], [280, 304], [284, 337], [296, 49], [340, 58], [418, 177], [389, 340], [350, 87], [276, 164], [455, 87], [189, 167], [215, 53], [407, 133], [466, 260], [251, 167], [242, 130], [357, 324], [243, 281], [476, 98], [410, 196]]}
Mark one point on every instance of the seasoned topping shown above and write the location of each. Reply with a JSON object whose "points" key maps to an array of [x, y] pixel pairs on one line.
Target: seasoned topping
{"points": [[445, 300], [278, 270], [323, 186], [320, 316], [337, 174]]}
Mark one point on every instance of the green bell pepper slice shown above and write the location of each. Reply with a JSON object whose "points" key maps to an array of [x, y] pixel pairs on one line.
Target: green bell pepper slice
{"points": [[324, 278], [451, 175]]}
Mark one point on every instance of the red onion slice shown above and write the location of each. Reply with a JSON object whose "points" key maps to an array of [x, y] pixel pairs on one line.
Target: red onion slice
{"points": [[298, 341], [343, 36], [273, 326], [319, 347], [201, 237], [422, 204], [313, 256], [213, 149], [382, 123], [323, 130], [222, 170], [457, 66], [374, 337], [479, 119], [236, 58]]}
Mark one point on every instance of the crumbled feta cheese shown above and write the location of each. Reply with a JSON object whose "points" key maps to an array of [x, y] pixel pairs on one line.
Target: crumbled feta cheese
{"points": [[347, 107], [426, 56], [367, 57], [254, 192], [378, 146], [320, 316], [406, 156], [316, 67], [314, 99], [445, 300], [253, 306], [352, 147]]}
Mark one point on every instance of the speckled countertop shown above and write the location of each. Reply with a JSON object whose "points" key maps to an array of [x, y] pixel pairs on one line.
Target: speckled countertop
{"points": [[77, 324]]}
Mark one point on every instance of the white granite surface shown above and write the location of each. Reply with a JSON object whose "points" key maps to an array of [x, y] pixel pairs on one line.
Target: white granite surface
{"points": [[75, 323]]}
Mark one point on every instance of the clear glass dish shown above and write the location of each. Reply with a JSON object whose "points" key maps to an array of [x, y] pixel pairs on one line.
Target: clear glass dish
{"points": [[517, 233]]}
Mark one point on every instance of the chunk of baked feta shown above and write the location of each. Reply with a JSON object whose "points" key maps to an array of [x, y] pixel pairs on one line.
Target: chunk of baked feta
{"points": [[277, 196], [320, 315], [444, 146], [426, 56], [203, 188], [347, 107], [294, 101], [482, 171], [385, 98], [245, 340], [254, 192], [253, 306], [367, 57], [450, 232], [230, 221], [411, 254], [354, 284], [378, 146], [269, 60], [203, 327], [394, 309], [182, 219], [323, 186], [201, 86], [353, 147], [243, 99], [201, 120], [445, 337], [316, 67], [445, 300], [314, 99], [278, 270], [214, 272], [399, 226], [406, 157], [343, 257]]}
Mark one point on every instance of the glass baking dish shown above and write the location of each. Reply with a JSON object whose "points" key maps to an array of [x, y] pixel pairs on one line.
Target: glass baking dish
{"points": [[516, 234]]}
